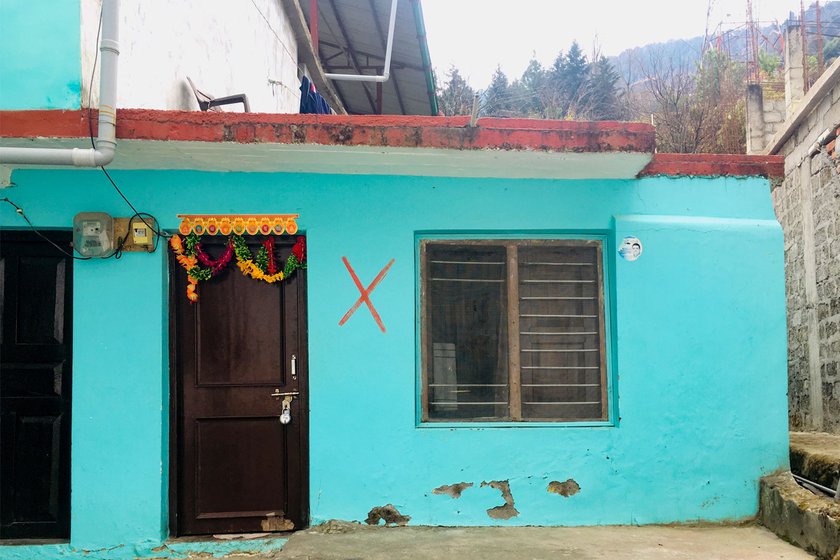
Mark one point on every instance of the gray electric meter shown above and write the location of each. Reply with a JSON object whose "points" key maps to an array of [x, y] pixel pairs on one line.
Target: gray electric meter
{"points": [[93, 234]]}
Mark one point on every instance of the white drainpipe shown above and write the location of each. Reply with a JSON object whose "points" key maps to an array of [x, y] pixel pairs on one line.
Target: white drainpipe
{"points": [[386, 72], [106, 141]]}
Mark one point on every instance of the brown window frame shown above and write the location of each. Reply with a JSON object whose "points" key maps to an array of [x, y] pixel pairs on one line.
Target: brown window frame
{"points": [[514, 355]]}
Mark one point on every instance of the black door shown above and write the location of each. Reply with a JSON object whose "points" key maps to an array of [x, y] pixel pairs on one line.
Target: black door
{"points": [[238, 468], [35, 311]]}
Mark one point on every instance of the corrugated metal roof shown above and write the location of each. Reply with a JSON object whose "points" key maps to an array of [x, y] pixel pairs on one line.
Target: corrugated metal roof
{"points": [[352, 38]]}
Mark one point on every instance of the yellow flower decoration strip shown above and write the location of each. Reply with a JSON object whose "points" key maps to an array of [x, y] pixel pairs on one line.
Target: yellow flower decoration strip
{"points": [[238, 224], [250, 269]]}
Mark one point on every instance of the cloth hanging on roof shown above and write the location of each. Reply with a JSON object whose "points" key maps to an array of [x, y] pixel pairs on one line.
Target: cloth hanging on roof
{"points": [[310, 100]]}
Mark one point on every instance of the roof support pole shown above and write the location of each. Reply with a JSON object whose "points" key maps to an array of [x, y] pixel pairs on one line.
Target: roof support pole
{"points": [[313, 23], [386, 72], [106, 142], [382, 38]]}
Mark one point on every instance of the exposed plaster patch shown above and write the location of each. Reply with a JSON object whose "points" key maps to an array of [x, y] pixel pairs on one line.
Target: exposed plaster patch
{"points": [[274, 522], [565, 489], [507, 510], [388, 514], [335, 526], [5, 176], [453, 490], [88, 551]]}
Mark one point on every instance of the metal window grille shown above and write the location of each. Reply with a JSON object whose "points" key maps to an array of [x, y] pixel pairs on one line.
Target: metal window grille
{"points": [[513, 330]]}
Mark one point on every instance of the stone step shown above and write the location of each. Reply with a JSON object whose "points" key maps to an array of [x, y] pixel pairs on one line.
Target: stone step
{"points": [[799, 516], [816, 456]]}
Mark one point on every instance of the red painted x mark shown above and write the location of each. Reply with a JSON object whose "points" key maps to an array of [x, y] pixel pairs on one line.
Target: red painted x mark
{"points": [[365, 297]]}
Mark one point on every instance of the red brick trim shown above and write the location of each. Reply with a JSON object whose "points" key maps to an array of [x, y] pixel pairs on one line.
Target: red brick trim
{"points": [[354, 130], [715, 165], [395, 131]]}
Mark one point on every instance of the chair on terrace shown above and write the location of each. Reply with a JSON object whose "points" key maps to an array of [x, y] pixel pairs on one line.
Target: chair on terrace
{"points": [[207, 102]]}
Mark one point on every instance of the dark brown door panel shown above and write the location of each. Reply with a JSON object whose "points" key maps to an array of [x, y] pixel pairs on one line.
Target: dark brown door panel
{"points": [[238, 468]]}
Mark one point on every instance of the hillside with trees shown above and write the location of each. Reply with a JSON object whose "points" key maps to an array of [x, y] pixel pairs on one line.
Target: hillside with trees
{"points": [[572, 88], [693, 91]]}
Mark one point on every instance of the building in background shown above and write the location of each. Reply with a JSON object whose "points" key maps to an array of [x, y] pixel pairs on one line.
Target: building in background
{"points": [[803, 127], [260, 48]]}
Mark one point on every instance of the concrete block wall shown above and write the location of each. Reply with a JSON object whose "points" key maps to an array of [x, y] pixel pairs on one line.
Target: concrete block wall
{"points": [[765, 117], [774, 117], [807, 205]]}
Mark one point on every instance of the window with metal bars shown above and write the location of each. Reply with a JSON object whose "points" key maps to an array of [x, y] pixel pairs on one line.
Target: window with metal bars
{"points": [[513, 330]]}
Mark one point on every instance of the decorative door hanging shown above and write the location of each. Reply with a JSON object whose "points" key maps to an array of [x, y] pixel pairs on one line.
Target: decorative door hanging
{"points": [[201, 267]]}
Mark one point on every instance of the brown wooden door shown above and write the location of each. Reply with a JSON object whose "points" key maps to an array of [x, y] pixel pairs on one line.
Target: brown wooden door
{"points": [[239, 469], [35, 361]]}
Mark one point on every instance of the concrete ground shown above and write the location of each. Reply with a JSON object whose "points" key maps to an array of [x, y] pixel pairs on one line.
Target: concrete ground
{"points": [[344, 541]]}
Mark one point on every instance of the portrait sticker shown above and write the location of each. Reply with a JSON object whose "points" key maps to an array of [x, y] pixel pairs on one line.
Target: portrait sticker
{"points": [[630, 248]]}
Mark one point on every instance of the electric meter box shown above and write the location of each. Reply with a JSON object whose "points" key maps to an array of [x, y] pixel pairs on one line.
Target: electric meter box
{"points": [[93, 234]]}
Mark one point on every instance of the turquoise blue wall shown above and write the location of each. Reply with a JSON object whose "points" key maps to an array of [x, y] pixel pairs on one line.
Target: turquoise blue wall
{"points": [[40, 54], [699, 349]]}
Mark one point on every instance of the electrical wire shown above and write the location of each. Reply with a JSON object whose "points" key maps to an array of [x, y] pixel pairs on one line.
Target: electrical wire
{"points": [[140, 215], [137, 213], [280, 40], [116, 254], [92, 75], [23, 215]]}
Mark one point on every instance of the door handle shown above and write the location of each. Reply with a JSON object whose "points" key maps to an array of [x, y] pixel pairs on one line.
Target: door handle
{"points": [[277, 394], [294, 367]]}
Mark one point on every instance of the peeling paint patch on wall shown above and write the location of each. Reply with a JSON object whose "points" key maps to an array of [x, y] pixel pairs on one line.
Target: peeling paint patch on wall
{"points": [[565, 489], [507, 510], [453, 490], [388, 514]]}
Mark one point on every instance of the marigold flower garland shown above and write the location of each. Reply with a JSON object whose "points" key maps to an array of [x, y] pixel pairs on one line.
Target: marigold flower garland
{"points": [[189, 254]]}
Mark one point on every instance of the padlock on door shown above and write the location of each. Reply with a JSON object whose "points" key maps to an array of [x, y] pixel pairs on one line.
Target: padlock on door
{"points": [[286, 414], [286, 407]]}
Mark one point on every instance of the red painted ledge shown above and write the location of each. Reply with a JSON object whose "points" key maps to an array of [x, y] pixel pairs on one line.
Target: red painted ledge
{"points": [[772, 167], [394, 131], [353, 130]]}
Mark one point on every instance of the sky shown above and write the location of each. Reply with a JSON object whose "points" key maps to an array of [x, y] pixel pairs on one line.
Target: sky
{"points": [[477, 35]]}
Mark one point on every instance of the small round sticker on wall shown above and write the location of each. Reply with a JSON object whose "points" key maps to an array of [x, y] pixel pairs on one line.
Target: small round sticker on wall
{"points": [[630, 249]]}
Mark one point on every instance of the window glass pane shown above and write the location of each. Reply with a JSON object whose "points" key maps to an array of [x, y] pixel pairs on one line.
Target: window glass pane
{"points": [[560, 338], [466, 306]]}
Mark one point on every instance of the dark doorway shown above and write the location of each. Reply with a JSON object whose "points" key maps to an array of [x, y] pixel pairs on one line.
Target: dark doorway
{"points": [[236, 467], [36, 298]]}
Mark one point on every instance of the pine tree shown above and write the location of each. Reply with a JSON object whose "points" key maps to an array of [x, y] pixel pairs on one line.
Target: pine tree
{"points": [[568, 76], [602, 98], [456, 97], [497, 95], [534, 82]]}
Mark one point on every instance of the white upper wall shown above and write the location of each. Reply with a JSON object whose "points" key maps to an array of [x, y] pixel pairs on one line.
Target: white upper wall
{"points": [[226, 46]]}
